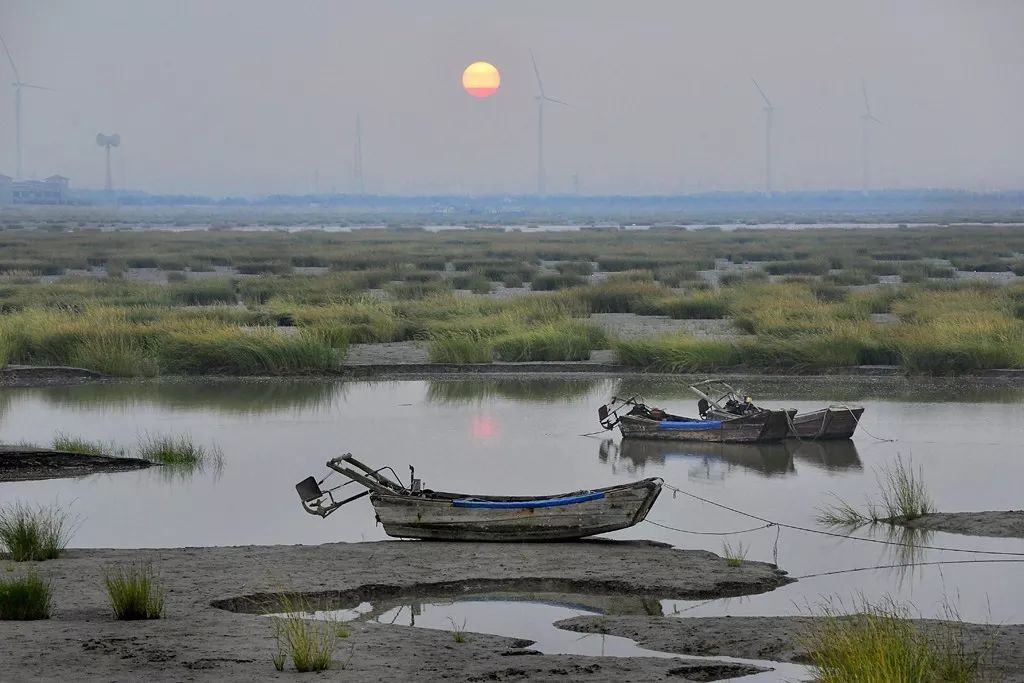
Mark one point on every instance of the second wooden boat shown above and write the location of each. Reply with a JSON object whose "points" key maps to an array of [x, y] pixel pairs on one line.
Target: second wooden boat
{"points": [[719, 401], [414, 512]]}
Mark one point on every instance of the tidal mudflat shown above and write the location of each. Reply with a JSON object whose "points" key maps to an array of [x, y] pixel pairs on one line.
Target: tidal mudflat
{"points": [[233, 535]]}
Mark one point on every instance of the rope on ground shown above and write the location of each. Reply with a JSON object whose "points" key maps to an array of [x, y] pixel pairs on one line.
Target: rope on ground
{"points": [[833, 534], [709, 533]]}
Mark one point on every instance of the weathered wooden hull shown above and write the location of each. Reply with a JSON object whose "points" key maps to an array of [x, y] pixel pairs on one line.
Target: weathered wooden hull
{"points": [[763, 427], [828, 423], [434, 515]]}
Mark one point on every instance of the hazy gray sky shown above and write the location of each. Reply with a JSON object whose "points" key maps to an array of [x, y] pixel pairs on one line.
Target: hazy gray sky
{"points": [[254, 96]]}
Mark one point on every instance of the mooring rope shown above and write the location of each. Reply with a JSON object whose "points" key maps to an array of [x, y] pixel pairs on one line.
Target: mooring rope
{"points": [[708, 533], [906, 565], [862, 428], [820, 532]]}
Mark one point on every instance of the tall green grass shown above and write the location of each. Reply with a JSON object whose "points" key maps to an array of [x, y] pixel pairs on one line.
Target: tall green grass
{"points": [[309, 643], [902, 497], [25, 598], [678, 353], [567, 341], [882, 644], [33, 533], [178, 450], [73, 444], [134, 592]]}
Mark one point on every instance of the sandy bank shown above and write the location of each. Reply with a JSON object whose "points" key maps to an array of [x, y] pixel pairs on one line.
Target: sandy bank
{"points": [[197, 641], [997, 523], [777, 638]]}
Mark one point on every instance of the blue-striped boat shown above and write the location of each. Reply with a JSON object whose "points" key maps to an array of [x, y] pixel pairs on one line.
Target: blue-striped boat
{"points": [[414, 512], [636, 420]]}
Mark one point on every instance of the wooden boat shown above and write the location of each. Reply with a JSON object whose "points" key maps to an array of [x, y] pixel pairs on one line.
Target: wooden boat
{"points": [[834, 422], [644, 422], [414, 512]]}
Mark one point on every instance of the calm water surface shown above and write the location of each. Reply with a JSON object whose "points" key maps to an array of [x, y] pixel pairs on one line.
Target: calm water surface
{"points": [[523, 437]]}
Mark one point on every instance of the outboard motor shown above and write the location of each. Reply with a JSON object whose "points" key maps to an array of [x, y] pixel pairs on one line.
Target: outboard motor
{"points": [[703, 407]]}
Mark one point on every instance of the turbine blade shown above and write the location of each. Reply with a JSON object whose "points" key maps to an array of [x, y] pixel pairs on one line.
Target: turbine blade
{"points": [[874, 118], [17, 78], [765, 97], [552, 99], [864, 89], [37, 87], [536, 71]]}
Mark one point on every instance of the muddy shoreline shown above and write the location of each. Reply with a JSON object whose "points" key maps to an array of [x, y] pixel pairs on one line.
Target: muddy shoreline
{"points": [[993, 523], [198, 641], [779, 638], [40, 376], [21, 463]]}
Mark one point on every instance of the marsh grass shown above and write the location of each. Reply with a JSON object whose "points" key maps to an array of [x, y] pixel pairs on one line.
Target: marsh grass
{"points": [[565, 341], [902, 497], [25, 598], [734, 555], [134, 592], [458, 632], [32, 533], [179, 451], [310, 643], [903, 492], [460, 348], [881, 643], [74, 444]]}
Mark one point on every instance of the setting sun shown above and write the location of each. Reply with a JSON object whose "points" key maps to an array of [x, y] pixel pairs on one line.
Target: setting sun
{"points": [[481, 79]]}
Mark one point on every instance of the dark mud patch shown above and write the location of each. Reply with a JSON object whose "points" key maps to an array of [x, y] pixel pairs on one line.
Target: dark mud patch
{"points": [[779, 638], [18, 463], [40, 376], [604, 595], [997, 523]]}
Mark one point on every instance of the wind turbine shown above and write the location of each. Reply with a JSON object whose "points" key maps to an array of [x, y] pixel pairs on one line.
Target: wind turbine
{"points": [[541, 99], [108, 141], [866, 120], [768, 109], [357, 162], [18, 85]]}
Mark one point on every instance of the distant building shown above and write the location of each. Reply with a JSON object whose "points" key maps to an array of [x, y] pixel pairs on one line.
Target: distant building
{"points": [[53, 190]]}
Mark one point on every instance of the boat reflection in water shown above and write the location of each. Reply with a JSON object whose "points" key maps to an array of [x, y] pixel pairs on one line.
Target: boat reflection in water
{"points": [[835, 455], [717, 460]]}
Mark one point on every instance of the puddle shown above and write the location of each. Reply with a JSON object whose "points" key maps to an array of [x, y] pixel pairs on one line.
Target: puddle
{"points": [[532, 618]]}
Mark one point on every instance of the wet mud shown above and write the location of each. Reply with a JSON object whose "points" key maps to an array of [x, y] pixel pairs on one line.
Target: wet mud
{"points": [[199, 641], [19, 463]]}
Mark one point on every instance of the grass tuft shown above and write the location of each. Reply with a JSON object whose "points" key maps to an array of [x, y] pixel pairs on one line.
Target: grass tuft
{"points": [[30, 533], [734, 555], [310, 643], [903, 498], [73, 444], [25, 598], [881, 643], [134, 592], [458, 632], [177, 451]]}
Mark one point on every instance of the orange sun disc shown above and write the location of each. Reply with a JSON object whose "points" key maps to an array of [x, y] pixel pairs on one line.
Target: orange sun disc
{"points": [[481, 79]]}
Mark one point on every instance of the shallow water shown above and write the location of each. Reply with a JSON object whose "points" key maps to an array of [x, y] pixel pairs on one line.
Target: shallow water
{"points": [[523, 437], [532, 618]]}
